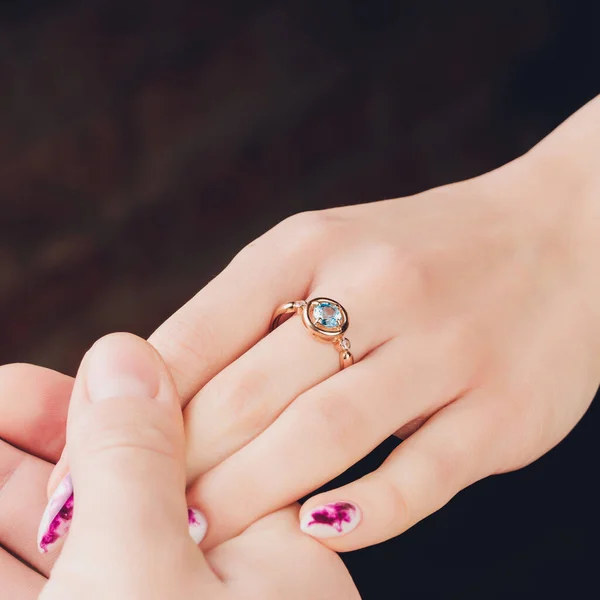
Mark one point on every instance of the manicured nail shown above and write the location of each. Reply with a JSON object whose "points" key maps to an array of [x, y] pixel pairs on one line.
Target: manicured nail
{"points": [[57, 516], [331, 520], [121, 365], [198, 525]]}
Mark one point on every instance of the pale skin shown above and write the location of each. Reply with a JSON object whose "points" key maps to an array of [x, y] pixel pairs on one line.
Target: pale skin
{"points": [[475, 326], [129, 537]]}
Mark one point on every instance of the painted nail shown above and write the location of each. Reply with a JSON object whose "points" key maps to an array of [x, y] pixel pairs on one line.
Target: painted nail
{"points": [[331, 520], [57, 516], [197, 524]]}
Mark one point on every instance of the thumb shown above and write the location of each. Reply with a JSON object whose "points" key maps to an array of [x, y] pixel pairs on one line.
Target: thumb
{"points": [[126, 449]]}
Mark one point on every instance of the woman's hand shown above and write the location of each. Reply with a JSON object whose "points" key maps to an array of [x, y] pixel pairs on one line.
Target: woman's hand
{"points": [[33, 412], [474, 313], [129, 535]]}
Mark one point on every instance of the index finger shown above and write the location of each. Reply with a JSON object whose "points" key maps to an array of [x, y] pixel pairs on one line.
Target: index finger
{"points": [[232, 312]]}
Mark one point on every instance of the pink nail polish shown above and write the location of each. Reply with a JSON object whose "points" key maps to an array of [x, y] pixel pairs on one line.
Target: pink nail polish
{"points": [[197, 525], [57, 516], [331, 520]]}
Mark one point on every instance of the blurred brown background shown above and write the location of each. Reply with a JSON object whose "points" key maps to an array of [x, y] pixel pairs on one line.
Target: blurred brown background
{"points": [[143, 143]]}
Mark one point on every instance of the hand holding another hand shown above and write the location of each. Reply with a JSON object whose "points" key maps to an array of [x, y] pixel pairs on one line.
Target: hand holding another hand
{"points": [[130, 532], [475, 330]]}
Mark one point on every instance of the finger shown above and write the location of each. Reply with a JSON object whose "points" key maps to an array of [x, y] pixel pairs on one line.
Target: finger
{"points": [[60, 471], [33, 404], [272, 559], [455, 448], [125, 442], [22, 499], [247, 396], [233, 311], [325, 431], [19, 582]]}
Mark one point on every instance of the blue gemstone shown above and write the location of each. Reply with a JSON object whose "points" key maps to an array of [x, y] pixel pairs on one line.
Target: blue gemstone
{"points": [[327, 314]]}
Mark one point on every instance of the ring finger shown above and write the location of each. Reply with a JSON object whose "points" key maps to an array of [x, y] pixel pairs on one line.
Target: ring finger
{"points": [[248, 395], [327, 429]]}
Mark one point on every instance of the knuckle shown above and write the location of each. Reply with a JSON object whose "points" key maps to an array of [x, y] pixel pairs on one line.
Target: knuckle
{"points": [[532, 430], [389, 264], [443, 467], [465, 342], [399, 509], [338, 420], [148, 438], [8, 472], [468, 338], [499, 452], [411, 272], [306, 230], [243, 400], [47, 429], [290, 238], [189, 345], [512, 410]]}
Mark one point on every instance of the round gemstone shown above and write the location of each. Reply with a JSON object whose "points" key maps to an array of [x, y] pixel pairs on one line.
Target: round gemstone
{"points": [[327, 315]]}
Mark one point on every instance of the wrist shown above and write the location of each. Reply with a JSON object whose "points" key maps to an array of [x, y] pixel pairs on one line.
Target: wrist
{"points": [[564, 168], [554, 190], [566, 165], [573, 148]]}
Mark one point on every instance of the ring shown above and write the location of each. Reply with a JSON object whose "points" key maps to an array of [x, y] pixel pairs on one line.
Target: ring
{"points": [[325, 319]]}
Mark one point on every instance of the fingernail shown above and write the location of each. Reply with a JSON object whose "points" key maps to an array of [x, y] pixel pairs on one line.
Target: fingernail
{"points": [[197, 525], [331, 520], [121, 365], [56, 519]]}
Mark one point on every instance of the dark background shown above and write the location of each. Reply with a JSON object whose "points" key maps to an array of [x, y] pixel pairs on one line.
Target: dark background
{"points": [[143, 143]]}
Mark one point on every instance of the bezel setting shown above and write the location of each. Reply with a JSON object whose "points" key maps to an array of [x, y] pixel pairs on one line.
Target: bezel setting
{"points": [[319, 329]]}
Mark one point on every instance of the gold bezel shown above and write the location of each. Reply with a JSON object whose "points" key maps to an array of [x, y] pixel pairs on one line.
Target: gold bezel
{"points": [[320, 331]]}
